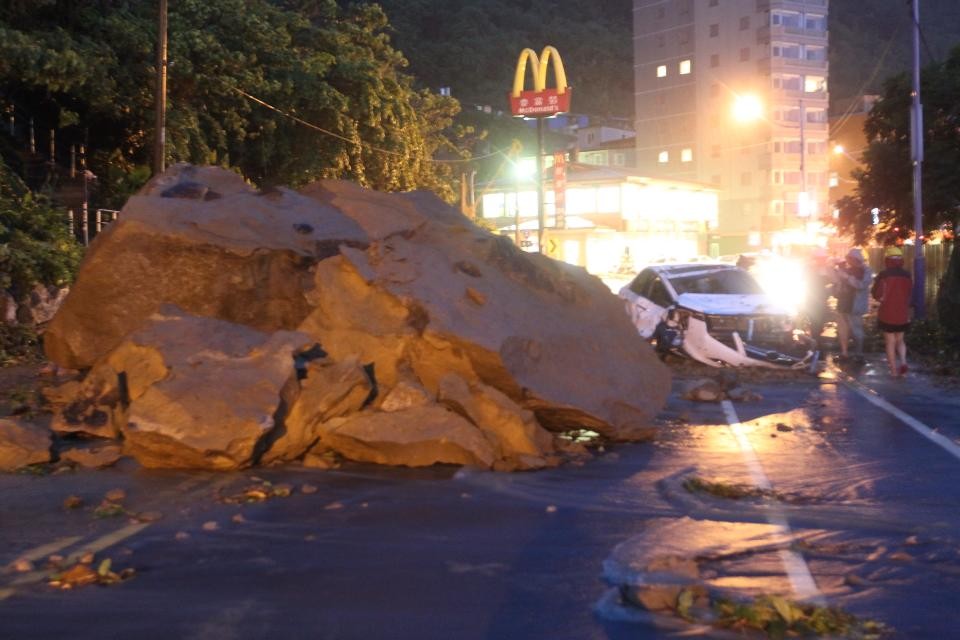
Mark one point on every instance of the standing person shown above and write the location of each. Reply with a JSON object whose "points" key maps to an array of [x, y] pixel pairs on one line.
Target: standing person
{"points": [[818, 291], [893, 288], [853, 296]]}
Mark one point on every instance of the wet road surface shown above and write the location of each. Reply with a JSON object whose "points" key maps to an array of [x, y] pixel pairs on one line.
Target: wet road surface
{"points": [[867, 506]]}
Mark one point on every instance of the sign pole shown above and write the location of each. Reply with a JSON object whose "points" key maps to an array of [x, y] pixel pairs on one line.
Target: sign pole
{"points": [[540, 209], [540, 103]]}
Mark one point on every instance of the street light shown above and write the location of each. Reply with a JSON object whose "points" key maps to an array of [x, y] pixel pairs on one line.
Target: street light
{"points": [[747, 108]]}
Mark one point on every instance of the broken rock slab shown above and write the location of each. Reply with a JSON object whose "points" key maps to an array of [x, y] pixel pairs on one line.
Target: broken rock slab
{"points": [[92, 455], [414, 437], [518, 440], [326, 389], [23, 444], [219, 395]]}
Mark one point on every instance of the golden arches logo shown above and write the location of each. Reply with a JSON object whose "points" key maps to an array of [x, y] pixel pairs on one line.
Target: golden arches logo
{"points": [[540, 66], [541, 101]]}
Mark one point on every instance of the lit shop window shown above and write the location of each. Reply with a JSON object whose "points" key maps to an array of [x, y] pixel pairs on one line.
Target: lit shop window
{"points": [[663, 157], [686, 155], [662, 71], [685, 67]]}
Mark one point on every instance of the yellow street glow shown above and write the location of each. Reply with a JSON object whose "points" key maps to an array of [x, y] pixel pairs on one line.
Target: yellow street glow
{"points": [[747, 108]]}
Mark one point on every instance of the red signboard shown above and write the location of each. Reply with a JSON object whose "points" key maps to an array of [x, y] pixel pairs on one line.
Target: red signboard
{"points": [[560, 189], [540, 104]]}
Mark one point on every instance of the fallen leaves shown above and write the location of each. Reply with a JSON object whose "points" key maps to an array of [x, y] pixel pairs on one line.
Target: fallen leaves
{"points": [[259, 492], [82, 573]]}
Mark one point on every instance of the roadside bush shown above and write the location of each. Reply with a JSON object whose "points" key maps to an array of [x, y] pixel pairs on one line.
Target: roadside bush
{"points": [[19, 344], [35, 244]]}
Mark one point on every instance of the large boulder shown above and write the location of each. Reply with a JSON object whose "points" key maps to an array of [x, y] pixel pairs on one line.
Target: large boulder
{"points": [[423, 324]]}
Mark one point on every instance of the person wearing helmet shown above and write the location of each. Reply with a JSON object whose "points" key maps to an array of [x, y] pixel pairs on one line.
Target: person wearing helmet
{"points": [[893, 288], [853, 296]]}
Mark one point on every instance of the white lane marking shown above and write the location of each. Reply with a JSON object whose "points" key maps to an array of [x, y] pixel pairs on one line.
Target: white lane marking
{"points": [[798, 572], [108, 540], [93, 547], [874, 398], [47, 549]]}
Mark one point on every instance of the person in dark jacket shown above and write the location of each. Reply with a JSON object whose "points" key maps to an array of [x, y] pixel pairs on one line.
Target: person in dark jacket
{"points": [[893, 288], [852, 287]]}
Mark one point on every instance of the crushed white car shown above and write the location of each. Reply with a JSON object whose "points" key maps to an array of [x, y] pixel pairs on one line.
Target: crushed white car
{"points": [[716, 314]]}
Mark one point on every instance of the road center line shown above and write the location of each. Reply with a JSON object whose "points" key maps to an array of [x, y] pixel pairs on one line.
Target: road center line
{"points": [[798, 572], [93, 547], [874, 398], [48, 549]]}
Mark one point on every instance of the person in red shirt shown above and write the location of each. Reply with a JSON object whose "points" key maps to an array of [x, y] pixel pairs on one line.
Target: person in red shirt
{"points": [[893, 288]]}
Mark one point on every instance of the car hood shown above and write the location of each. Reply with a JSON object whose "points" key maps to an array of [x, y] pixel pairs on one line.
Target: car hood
{"points": [[729, 304]]}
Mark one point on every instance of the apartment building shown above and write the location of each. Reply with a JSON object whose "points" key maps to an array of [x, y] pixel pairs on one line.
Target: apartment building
{"points": [[733, 93]]}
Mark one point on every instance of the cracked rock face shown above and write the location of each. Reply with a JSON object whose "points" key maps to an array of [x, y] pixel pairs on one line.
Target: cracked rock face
{"points": [[380, 327]]}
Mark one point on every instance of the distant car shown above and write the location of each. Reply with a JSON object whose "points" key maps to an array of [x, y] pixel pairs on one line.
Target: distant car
{"points": [[716, 314]]}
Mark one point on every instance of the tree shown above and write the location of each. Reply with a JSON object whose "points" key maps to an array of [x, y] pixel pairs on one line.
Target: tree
{"points": [[886, 179], [90, 63]]}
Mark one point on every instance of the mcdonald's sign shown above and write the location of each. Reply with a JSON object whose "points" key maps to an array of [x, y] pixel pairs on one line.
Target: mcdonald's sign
{"points": [[541, 102]]}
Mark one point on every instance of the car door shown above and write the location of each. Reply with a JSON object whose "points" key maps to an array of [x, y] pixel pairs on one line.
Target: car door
{"points": [[644, 312]]}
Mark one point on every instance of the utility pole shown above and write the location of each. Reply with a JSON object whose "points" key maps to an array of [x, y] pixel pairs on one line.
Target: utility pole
{"points": [[916, 153], [160, 96], [803, 205]]}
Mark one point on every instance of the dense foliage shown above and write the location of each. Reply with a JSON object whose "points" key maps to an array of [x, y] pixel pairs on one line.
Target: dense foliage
{"points": [[87, 67], [35, 245]]}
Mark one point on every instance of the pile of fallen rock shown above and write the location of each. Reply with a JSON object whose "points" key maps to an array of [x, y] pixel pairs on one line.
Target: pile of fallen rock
{"points": [[219, 326]]}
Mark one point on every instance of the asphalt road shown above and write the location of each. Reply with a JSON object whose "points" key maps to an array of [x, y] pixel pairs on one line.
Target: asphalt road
{"points": [[867, 520]]}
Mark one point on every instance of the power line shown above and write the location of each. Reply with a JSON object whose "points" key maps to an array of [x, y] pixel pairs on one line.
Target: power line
{"points": [[351, 141]]}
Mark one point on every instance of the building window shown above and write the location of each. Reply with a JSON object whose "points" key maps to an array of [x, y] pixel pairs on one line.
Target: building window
{"points": [[619, 159], [776, 177], [834, 179], [661, 41], [684, 67], [816, 22], [815, 115], [686, 155], [817, 53], [662, 71], [789, 19], [714, 30], [814, 84], [786, 81], [789, 50], [660, 13], [714, 3], [744, 54], [744, 23], [776, 207], [663, 157], [684, 36], [715, 60]]}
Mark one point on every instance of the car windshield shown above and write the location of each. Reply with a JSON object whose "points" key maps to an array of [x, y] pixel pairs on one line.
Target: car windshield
{"points": [[725, 281]]}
